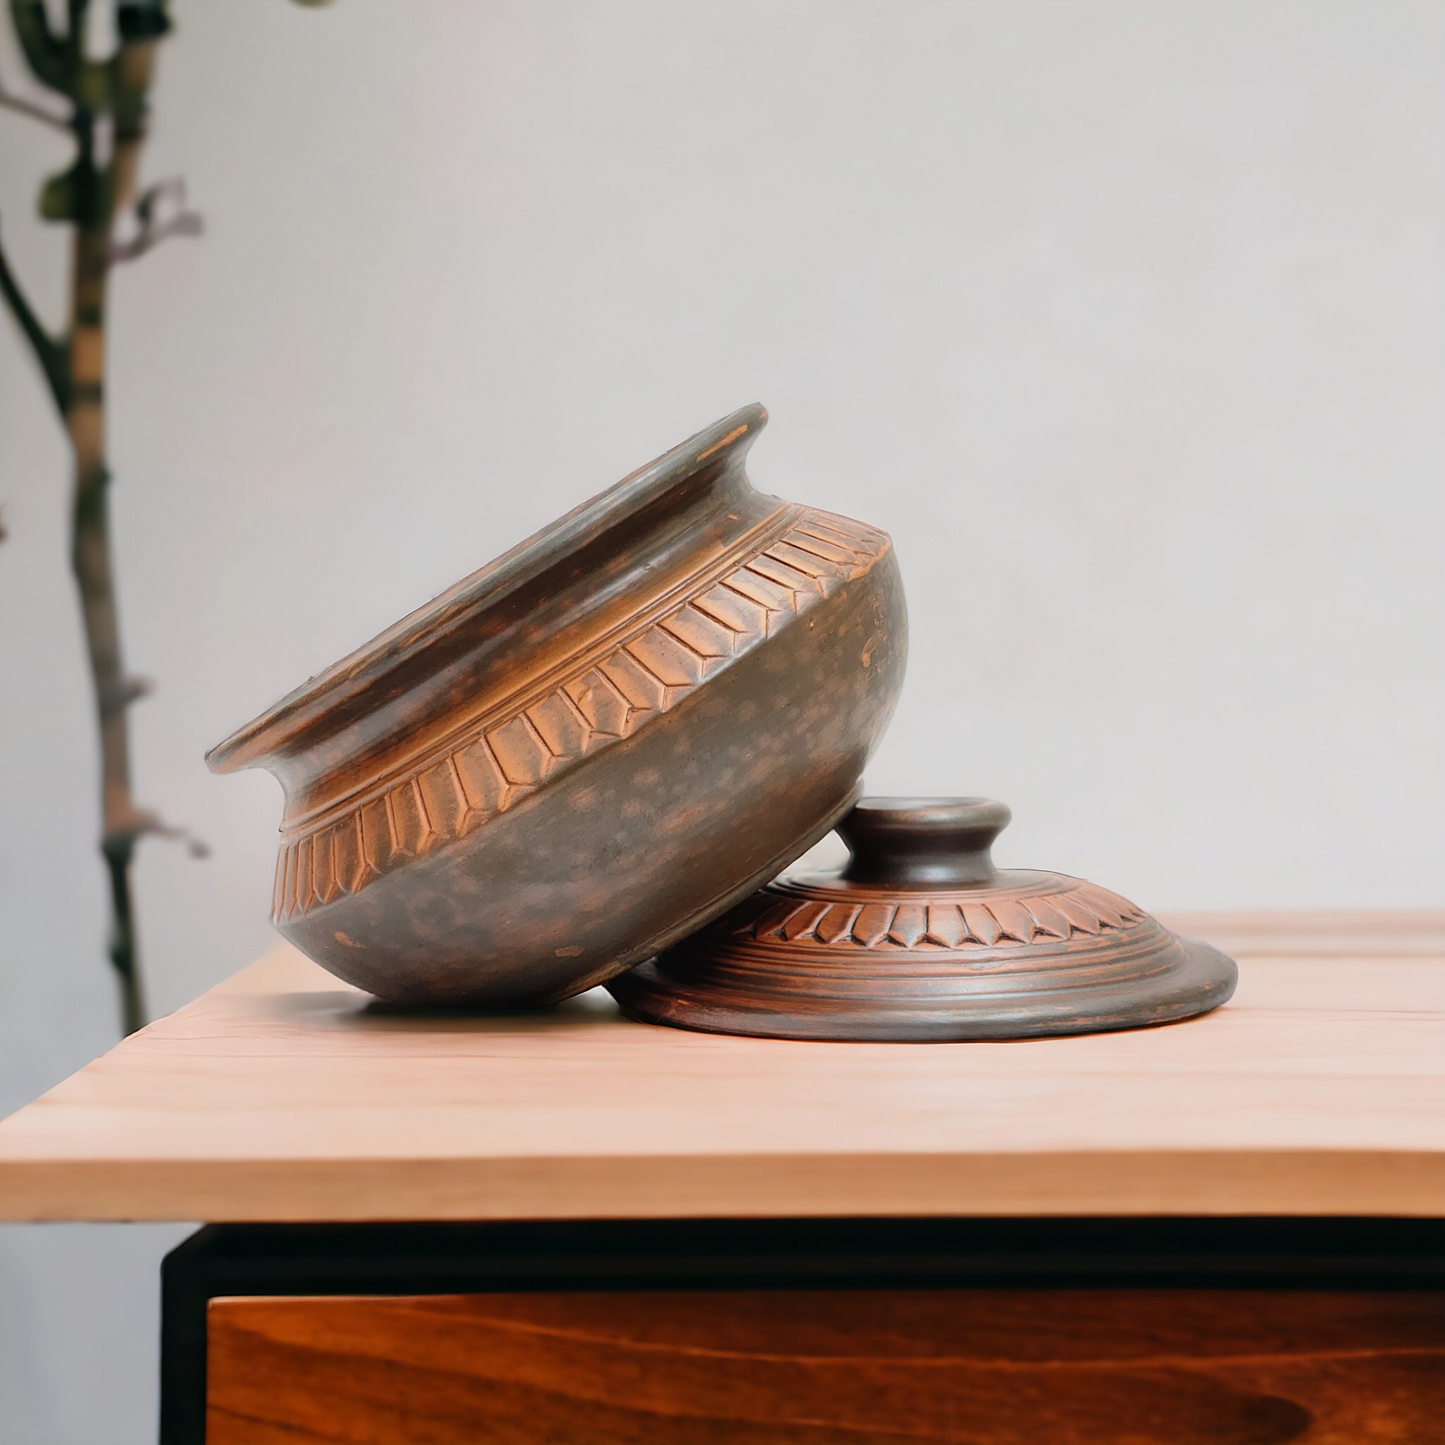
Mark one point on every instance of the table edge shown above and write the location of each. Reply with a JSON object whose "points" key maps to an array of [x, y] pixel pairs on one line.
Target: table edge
{"points": [[1299, 1182]]}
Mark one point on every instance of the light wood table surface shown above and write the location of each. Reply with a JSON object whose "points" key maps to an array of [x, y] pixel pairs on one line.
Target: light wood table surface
{"points": [[284, 1095]]}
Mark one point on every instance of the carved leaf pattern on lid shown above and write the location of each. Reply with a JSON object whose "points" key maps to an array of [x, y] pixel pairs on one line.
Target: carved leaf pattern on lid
{"points": [[935, 924], [605, 701]]}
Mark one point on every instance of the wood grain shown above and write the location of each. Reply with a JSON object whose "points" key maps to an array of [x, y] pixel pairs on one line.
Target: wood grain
{"points": [[1067, 1367], [285, 1095]]}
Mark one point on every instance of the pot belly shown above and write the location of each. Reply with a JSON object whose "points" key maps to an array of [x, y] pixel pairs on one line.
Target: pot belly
{"points": [[617, 849]]}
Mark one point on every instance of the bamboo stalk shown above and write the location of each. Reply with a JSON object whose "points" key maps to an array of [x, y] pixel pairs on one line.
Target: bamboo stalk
{"points": [[94, 571], [90, 196]]}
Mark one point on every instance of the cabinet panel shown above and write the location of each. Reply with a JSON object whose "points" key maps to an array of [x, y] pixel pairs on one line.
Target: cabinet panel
{"points": [[986, 1367]]}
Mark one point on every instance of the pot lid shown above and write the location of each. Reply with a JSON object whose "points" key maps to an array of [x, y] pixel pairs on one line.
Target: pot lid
{"points": [[920, 937]]}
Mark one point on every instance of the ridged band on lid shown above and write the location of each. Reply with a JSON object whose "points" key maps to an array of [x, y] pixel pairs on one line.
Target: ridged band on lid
{"points": [[920, 938]]}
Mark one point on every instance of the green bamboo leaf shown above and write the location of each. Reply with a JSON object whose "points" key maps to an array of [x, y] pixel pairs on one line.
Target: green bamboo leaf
{"points": [[58, 197], [45, 52], [52, 352], [80, 194], [141, 20], [94, 86]]}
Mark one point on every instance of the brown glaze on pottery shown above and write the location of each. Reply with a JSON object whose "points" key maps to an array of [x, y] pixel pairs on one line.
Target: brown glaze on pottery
{"points": [[589, 748], [920, 938]]}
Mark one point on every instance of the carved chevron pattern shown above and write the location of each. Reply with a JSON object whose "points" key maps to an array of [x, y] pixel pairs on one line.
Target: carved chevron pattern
{"points": [[453, 796], [931, 923]]}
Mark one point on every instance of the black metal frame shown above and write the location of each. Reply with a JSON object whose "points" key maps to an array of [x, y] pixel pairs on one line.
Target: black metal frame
{"points": [[380, 1259]]}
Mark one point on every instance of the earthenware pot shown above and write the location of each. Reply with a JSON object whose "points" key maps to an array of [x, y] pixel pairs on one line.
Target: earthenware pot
{"points": [[920, 938], [589, 748]]}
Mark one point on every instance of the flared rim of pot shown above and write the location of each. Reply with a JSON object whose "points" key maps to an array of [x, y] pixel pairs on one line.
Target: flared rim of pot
{"points": [[379, 666]]}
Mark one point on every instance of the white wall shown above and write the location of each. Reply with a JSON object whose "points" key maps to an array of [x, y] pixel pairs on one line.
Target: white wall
{"points": [[1124, 318]]}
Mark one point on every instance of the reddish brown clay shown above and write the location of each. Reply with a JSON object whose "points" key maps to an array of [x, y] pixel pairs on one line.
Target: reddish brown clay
{"points": [[920, 938], [589, 748]]}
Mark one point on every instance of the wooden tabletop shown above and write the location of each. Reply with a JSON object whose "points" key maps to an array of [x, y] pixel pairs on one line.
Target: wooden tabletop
{"points": [[285, 1095]]}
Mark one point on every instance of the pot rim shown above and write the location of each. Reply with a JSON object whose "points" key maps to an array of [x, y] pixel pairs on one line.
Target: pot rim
{"points": [[342, 684]]}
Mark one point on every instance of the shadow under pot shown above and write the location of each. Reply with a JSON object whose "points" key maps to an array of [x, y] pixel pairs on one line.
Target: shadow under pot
{"points": [[920, 938], [590, 748]]}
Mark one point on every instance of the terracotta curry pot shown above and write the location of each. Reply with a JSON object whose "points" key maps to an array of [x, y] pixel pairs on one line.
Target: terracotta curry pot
{"points": [[591, 747]]}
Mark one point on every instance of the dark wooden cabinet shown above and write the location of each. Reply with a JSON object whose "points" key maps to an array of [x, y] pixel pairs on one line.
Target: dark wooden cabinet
{"points": [[985, 1332]]}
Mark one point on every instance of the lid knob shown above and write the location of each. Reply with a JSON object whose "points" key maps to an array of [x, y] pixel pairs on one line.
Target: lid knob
{"points": [[922, 842]]}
